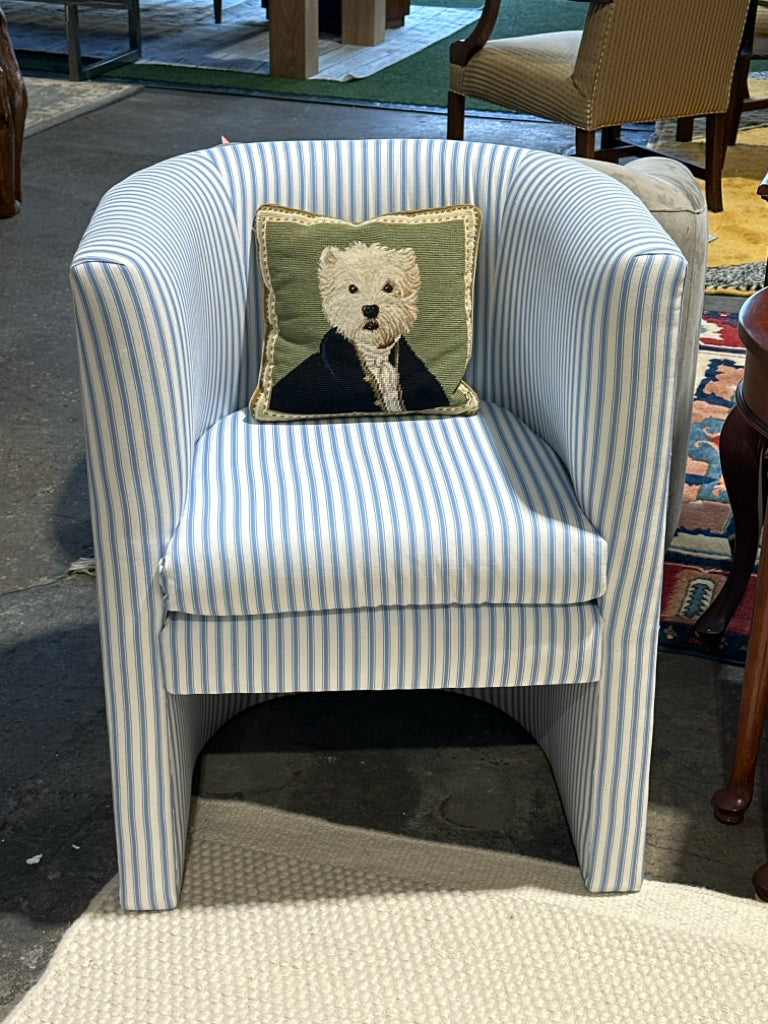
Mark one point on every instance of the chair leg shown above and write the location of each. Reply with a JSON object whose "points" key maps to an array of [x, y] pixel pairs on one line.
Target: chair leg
{"points": [[716, 146], [217, 11], [739, 92], [586, 776], [456, 104], [585, 144], [610, 137], [152, 777], [684, 131]]}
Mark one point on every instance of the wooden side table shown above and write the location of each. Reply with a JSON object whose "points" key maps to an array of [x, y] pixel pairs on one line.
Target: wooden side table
{"points": [[745, 462]]}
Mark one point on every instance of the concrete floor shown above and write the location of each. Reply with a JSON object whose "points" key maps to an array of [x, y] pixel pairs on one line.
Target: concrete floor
{"points": [[428, 765]]}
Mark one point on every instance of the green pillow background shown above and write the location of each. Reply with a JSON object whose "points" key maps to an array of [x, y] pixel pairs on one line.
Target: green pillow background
{"points": [[441, 334]]}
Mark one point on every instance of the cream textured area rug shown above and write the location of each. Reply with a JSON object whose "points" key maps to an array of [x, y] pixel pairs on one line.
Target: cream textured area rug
{"points": [[53, 100], [286, 918]]}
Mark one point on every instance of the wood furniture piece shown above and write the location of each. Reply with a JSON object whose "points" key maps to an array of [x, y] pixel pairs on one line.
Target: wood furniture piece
{"points": [[331, 13], [13, 112], [294, 29], [397, 12], [632, 62], [751, 457], [754, 46], [81, 67], [744, 458], [294, 26]]}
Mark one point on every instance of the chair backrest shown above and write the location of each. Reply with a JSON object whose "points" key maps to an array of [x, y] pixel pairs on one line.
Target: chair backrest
{"points": [[641, 60]]}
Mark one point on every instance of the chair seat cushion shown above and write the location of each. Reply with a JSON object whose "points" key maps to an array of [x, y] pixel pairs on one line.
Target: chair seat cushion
{"points": [[401, 512], [532, 74]]}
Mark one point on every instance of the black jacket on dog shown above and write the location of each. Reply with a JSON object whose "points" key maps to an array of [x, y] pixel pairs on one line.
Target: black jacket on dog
{"points": [[333, 381]]}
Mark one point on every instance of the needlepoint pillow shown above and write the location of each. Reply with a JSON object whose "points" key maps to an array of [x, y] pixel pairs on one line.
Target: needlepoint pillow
{"points": [[371, 318]]}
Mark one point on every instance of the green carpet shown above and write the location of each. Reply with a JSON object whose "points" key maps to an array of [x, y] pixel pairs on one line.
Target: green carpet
{"points": [[420, 80]]}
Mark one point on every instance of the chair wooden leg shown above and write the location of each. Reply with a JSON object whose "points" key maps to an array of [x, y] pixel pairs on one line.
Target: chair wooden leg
{"points": [[585, 144], [456, 104], [716, 146], [610, 137], [739, 92], [741, 456], [684, 132]]}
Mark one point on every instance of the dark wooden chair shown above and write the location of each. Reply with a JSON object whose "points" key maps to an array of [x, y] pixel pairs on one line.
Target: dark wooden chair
{"points": [[754, 46], [632, 62]]}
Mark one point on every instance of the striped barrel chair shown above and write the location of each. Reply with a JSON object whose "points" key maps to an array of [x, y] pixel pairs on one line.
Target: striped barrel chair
{"points": [[515, 555]]}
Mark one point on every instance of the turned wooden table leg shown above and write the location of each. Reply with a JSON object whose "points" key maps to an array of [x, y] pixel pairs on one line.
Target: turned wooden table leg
{"points": [[741, 456], [13, 112], [731, 802]]}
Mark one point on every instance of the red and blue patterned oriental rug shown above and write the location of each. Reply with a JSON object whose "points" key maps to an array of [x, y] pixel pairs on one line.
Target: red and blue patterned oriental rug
{"points": [[699, 559]]}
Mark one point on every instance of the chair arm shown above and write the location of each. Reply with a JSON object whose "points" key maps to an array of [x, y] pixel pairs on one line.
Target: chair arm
{"points": [[672, 195], [463, 49], [167, 244], [594, 328], [159, 284]]}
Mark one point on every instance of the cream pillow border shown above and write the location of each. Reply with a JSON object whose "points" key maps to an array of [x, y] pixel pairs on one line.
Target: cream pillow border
{"points": [[471, 217]]}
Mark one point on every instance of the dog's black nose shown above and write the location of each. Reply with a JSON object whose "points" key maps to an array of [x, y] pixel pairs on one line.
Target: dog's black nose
{"points": [[371, 312]]}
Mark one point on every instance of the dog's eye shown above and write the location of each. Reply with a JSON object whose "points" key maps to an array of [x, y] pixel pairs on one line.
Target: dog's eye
{"points": [[388, 287], [353, 288]]}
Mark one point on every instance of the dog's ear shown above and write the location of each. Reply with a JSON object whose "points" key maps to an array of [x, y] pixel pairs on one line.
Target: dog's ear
{"points": [[406, 261], [329, 256]]}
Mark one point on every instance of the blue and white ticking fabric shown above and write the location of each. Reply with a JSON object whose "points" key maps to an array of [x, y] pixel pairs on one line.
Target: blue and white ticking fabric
{"points": [[425, 512], [515, 555]]}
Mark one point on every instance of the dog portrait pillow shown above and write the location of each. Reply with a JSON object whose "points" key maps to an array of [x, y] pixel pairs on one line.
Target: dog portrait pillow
{"points": [[363, 319]]}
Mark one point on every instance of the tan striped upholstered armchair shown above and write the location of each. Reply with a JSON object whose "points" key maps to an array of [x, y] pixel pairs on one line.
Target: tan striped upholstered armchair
{"points": [[635, 60]]}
